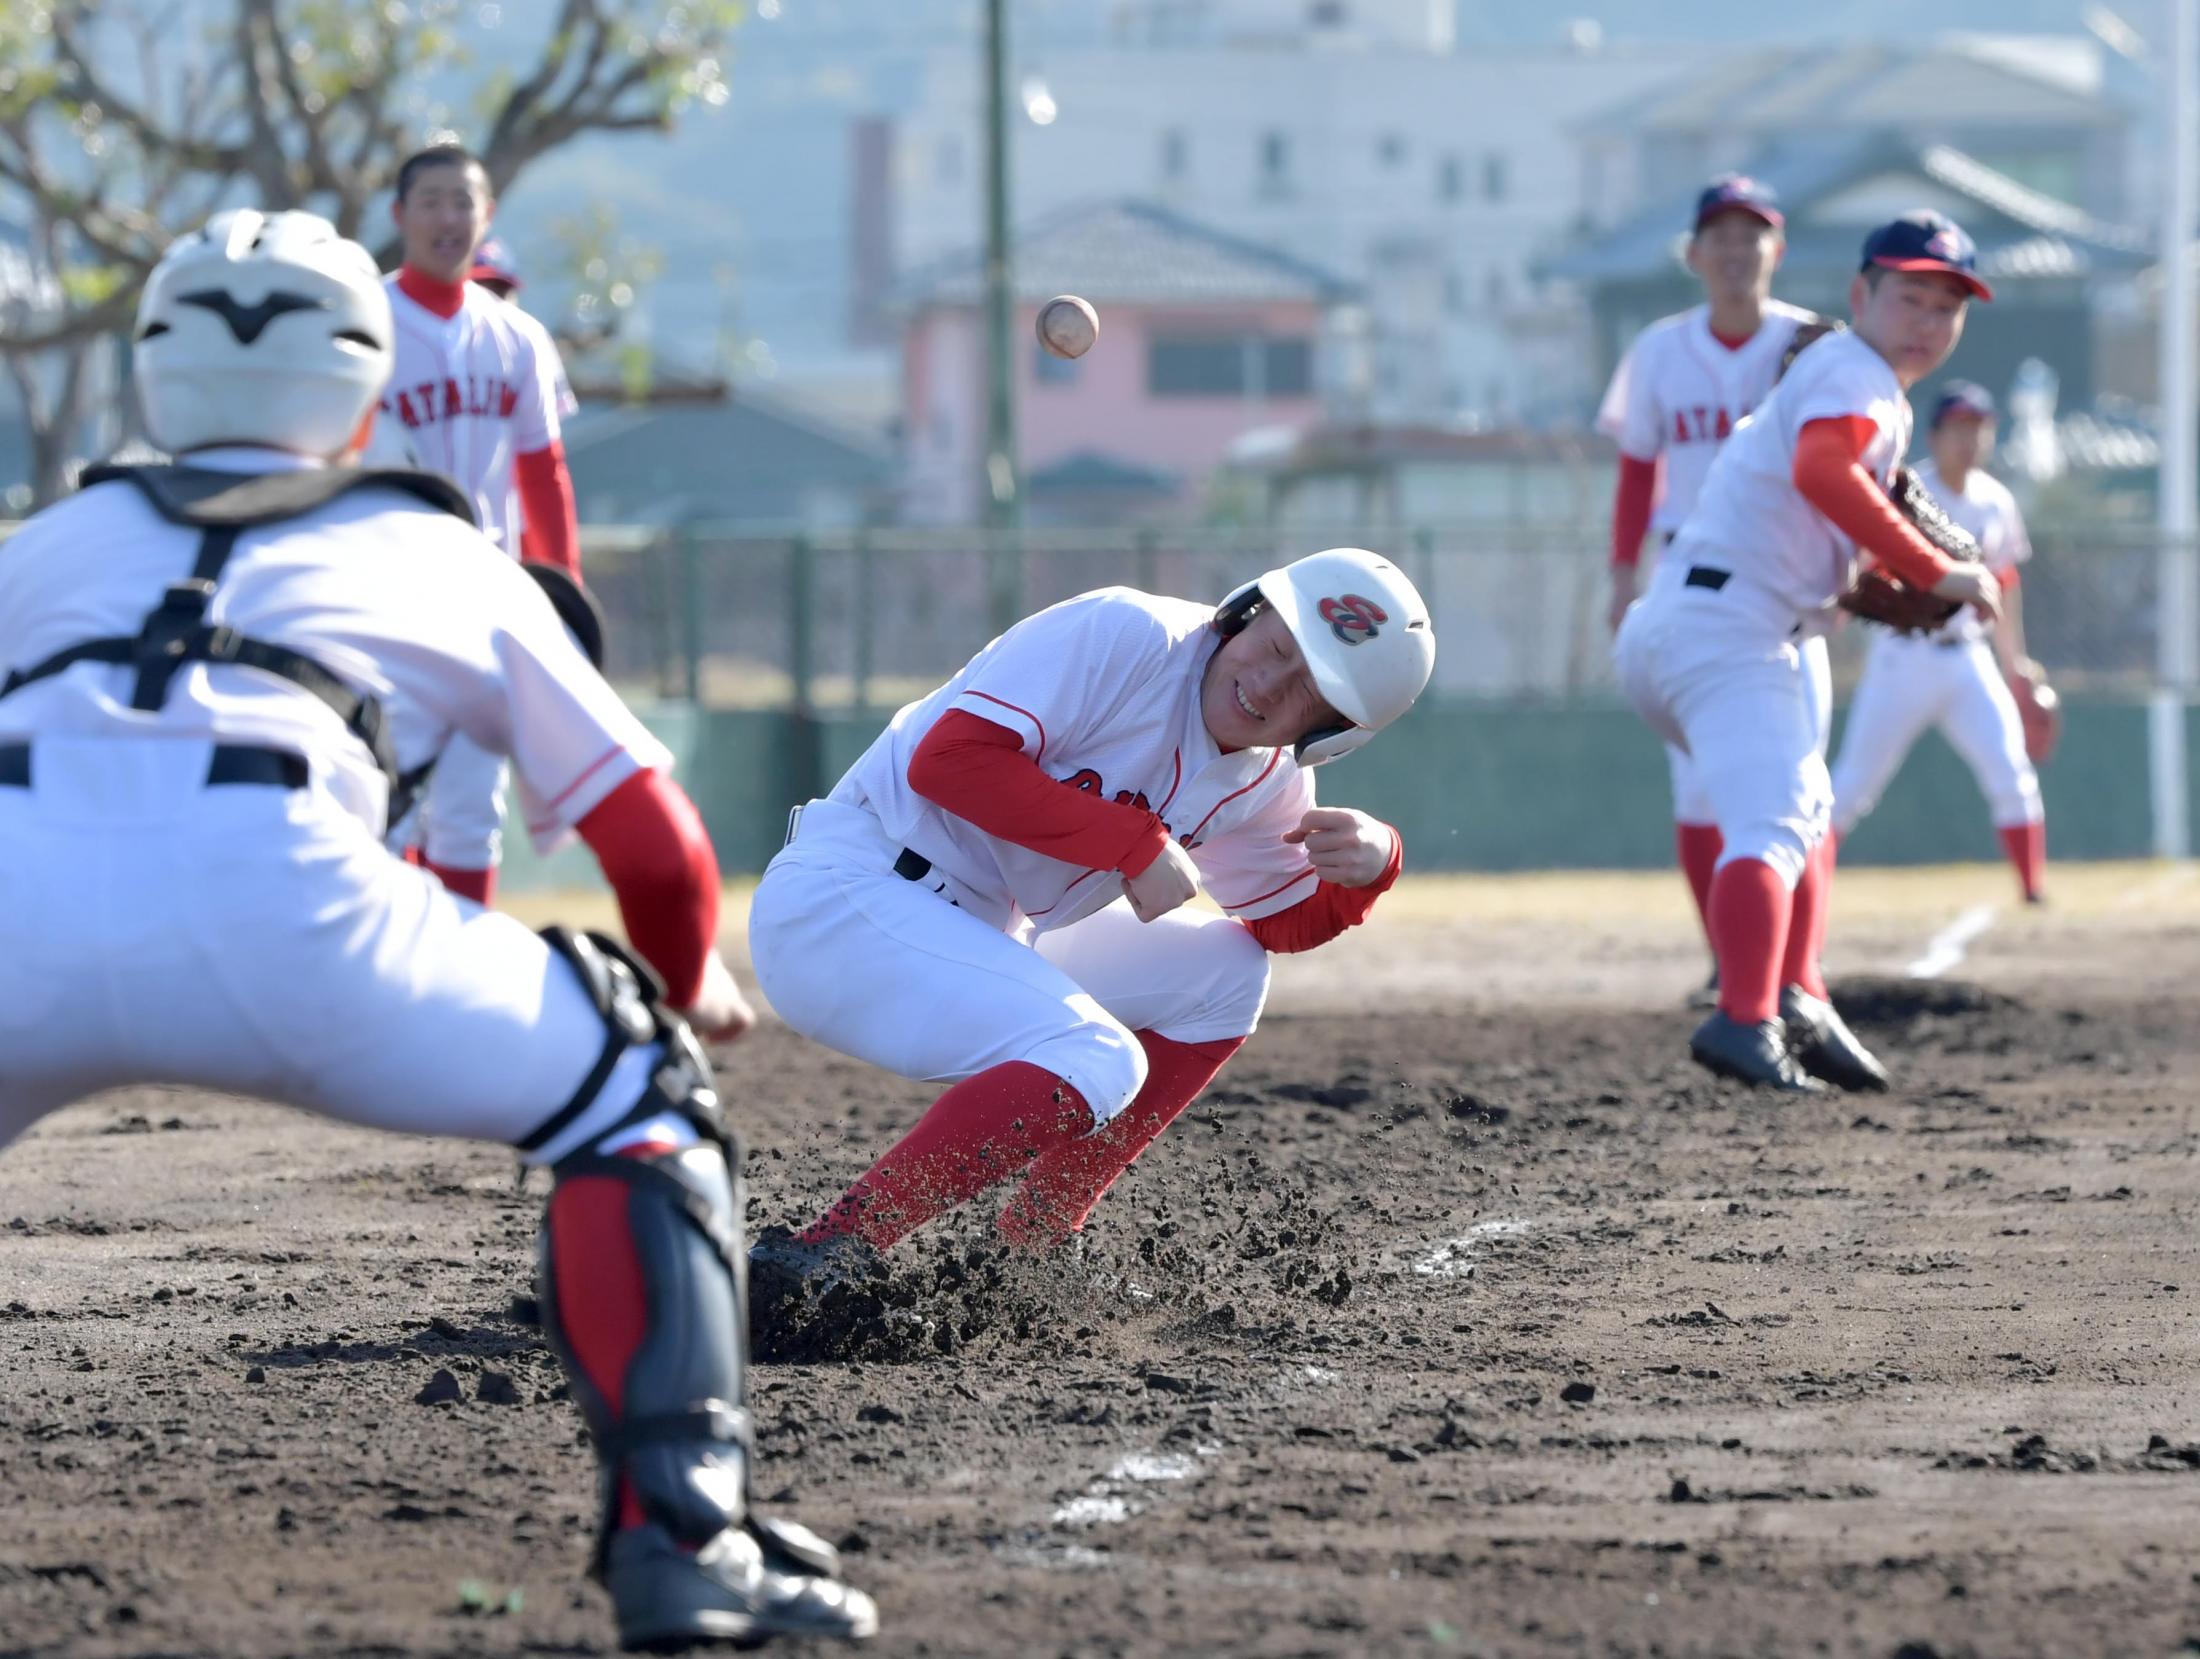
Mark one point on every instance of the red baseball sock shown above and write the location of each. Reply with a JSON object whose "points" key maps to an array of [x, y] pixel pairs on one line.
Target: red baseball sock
{"points": [[1699, 846], [2026, 845], [983, 1130], [478, 885], [1750, 908], [1806, 938], [1061, 1187]]}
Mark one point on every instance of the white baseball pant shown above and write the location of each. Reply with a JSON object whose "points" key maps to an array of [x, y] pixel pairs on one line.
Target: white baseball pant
{"points": [[892, 972], [1913, 682], [1724, 675], [261, 941]]}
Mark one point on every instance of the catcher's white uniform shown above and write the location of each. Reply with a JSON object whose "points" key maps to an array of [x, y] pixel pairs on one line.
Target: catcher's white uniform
{"points": [[256, 937]]}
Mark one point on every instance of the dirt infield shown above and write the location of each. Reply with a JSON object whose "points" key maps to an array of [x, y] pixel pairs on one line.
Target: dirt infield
{"points": [[1463, 1317]]}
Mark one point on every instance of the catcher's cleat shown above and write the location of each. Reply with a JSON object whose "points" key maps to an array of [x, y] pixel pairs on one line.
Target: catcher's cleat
{"points": [[1755, 1054], [1823, 1044], [748, 1584], [1704, 997]]}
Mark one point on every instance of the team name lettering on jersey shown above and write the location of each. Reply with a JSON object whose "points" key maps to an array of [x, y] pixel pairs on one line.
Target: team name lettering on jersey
{"points": [[1088, 781], [426, 404], [1699, 425]]}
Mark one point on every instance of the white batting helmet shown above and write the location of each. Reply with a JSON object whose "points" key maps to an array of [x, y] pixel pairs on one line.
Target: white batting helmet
{"points": [[1363, 629], [262, 328]]}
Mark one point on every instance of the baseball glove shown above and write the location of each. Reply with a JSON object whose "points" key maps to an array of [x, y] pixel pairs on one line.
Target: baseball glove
{"points": [[1808, 332], [1879, 596], [2039, 709]]}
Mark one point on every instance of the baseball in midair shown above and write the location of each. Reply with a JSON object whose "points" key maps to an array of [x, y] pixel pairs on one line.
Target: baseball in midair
{"points": [[1068, 326]]}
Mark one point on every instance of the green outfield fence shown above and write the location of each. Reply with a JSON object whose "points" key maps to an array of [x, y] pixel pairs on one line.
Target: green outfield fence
{"points": [[767, 661]]}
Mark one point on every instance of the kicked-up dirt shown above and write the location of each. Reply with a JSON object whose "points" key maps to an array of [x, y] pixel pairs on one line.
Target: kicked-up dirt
{"points": [[1483, 1330]]}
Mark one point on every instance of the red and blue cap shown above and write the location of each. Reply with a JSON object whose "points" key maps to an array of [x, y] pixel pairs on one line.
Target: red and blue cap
{"points": [[1739, 193], [1926, 241], [493, 262], [1963, 399]]}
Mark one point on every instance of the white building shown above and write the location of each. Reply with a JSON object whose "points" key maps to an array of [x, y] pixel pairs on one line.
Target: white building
{"points": [[1348, 134]]}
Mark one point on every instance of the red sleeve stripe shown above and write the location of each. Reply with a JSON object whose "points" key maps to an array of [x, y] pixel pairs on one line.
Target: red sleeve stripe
{"points": [[1039, 724], [1247, 904], [590, 770]]}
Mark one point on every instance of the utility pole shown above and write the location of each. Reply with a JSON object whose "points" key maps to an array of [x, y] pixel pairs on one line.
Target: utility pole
{"points": [[1002, 503], [2177, 558]]}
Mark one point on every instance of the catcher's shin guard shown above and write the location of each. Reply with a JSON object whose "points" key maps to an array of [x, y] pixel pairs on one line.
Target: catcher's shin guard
{"points": [[644, 1303]]}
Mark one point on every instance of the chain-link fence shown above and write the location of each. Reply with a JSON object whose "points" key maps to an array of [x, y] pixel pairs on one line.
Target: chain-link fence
{"points": [[873, 619]]}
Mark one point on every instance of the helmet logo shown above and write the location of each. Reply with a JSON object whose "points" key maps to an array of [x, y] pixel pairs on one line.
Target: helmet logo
{"points": [[1353, 619], [247, 322]]}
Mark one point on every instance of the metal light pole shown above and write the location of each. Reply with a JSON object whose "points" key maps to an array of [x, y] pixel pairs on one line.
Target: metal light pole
{"points": [[1001, 495], [2178, 574]]}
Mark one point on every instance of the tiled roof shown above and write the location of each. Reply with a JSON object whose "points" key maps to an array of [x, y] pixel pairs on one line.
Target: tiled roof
{"points": [[1129, 251]]}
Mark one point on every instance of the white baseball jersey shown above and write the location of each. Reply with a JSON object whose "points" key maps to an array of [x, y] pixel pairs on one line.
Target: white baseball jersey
{"points": [[343, 585], [1751, 519], [473, 391], [1679, 394], [1104, 691], [1984, 507]]}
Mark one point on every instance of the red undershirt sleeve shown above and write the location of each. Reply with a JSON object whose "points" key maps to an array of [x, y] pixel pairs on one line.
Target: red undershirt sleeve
{"points": [[1328, 910], [550, 531], [657, 856], [1828, 473], [1633, 501], [979, 771]]}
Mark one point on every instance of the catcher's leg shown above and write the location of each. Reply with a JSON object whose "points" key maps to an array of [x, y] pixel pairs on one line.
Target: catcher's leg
{"points": [[643, 1301], [1986, 729]]}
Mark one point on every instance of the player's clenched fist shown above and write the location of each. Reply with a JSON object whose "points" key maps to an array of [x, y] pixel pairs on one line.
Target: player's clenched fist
{"points": [[1346, 848], [1169, 881], [720, 1013]]}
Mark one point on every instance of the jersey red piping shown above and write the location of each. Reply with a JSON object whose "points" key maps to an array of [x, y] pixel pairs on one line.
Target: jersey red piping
{"points": [[1026, 713], [1243, 904], [1274, 758], [587, 772]]}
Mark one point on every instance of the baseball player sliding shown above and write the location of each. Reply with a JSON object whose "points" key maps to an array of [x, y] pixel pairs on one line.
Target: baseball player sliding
{"points": [[993, 896], [1959, 677], [217, 673], [1712, 657], [476, 390], [1684, 386]]}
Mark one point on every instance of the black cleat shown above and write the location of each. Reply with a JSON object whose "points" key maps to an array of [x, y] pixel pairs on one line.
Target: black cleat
{"points": [[1823, 1044], [1756, 1054], [752, 1582], [1704, 997]]}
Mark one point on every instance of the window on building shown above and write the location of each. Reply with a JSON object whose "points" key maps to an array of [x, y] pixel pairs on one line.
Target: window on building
{"points": [[1176, 154], [1275, 164], [1230, 365], [1496, 178], [1451, 180], [1328, 14], [1390, 149]]}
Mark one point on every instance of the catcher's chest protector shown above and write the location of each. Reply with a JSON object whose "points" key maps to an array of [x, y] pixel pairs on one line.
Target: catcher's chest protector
{"points": [[221, 506]]}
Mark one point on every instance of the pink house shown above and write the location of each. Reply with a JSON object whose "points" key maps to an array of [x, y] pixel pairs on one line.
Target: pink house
{"points": [[1203, 337]]}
